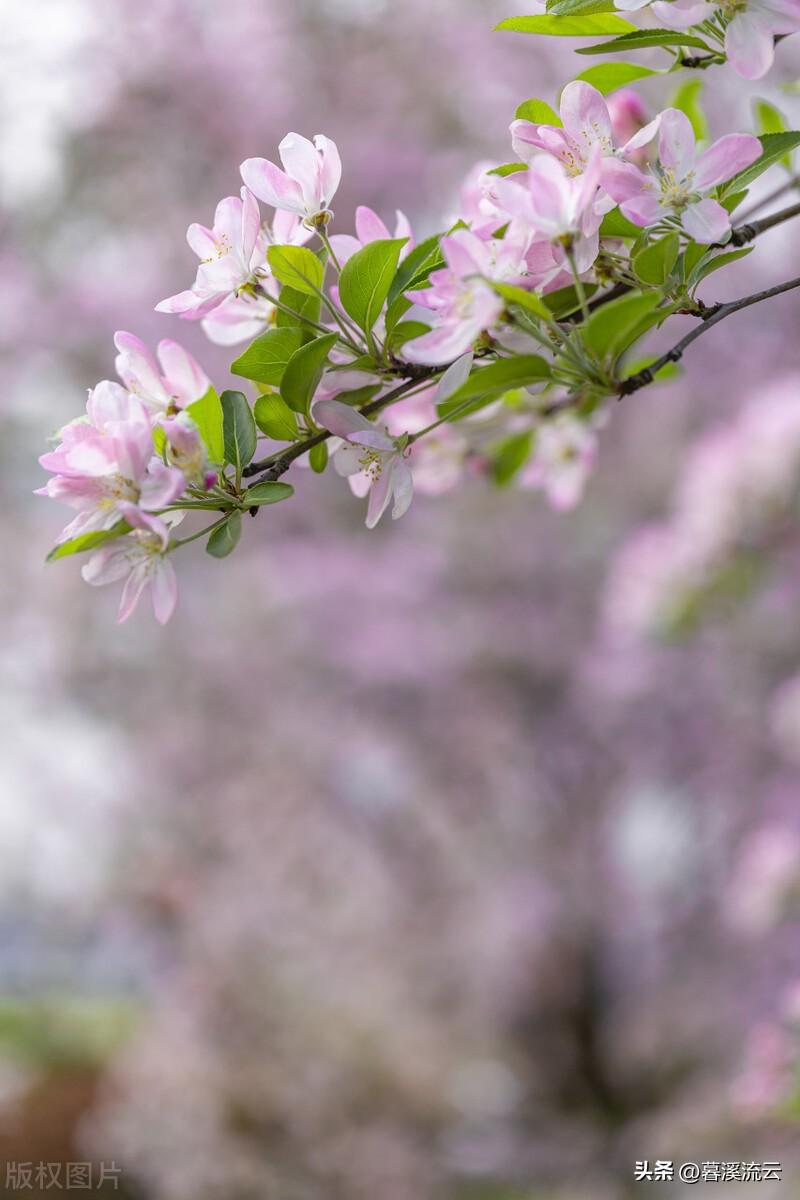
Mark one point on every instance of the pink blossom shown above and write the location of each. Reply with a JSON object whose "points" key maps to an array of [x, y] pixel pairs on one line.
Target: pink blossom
{"points": [[105, 465], [140, 558], [232, 257], [558, 206], [628, 115], [186, 450], [750, 30], [175, 381], [371, 452], [563, 457], [587, 129], [307, 184], [675, 187], [370, 228], [463, 303]]}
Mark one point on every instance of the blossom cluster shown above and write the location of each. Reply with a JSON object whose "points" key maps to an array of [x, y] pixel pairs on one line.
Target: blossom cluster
{"points": [[491, 349]]}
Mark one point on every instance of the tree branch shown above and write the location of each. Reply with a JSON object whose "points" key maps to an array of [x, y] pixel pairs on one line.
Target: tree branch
{"points": [[278, 465], [643, 378]]}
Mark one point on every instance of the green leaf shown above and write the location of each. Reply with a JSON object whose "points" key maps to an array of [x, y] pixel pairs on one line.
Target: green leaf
{"points": [[774, 147], [510, 456], [524, 299], [588, 26], [537, 112], [225, 538], [366, 279], [613, 328], [318, 457], [406, 331], [266, 358], [494, 380], [88, 541], [608, 77], [275, 418], [569, 8], [238, 430], [616, 226], [415, 267], [267, 493], [639, 39], [563, 302], [305, 305], [707, 267], [304, 371], [687, 99], [207, 416], [297, 267], [505, 169], [395, 313], [654, 264]]}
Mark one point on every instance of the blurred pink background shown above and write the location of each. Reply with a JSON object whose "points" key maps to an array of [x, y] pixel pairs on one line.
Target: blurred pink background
{"points": [[460, 859]]}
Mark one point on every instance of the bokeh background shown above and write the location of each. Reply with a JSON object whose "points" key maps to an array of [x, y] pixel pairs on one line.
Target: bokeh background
{"points": [[456, 860]]}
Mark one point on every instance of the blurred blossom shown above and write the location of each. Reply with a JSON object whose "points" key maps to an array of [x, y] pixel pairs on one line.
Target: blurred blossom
{"points": [[414, 854]]}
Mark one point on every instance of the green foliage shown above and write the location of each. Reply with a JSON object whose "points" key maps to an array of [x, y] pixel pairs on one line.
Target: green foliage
{"points": [[297, 267], [552, 26], [711, 261], [207, 416], [508, 457], [608, 77], [238, 430], [415, 268], [687, 99], [318, 457], [274, 418], [366, 279], [770, 119], [489, 382], [266, 358], [524, 299], [774, 148], [616, 226], [537, 112], [615, 326], [269, 492], [565, 301], [88, 541], [571, 8], [406, 331], [304, 371], [505, 169], [654, 264], [305, 305], [640, 39], [225, 538]]}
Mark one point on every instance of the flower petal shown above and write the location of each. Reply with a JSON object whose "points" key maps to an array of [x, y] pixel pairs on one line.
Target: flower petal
{"points": [[749, 45], [676, 142], [706, 221], [272, 185], [725, 158]]}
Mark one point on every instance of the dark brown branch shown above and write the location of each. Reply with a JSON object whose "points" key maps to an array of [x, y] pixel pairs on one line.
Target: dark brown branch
{"points": [[643, 378], [746, 233]]}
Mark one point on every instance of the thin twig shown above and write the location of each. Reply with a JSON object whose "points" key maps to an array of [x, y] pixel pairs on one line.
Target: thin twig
{"points": [[643, 378]]}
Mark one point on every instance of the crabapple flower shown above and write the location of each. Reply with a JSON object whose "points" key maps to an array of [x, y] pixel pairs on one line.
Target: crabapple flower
{"points": [[140, 558], [587, 129], [370, 451], [232, 257], [308, 182], [243, 316], [186, 450], [463, 303], [105, 465], [558, 206], [750, 30], [370, 228], [563, 456], [675, 187], [175, 381]]}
